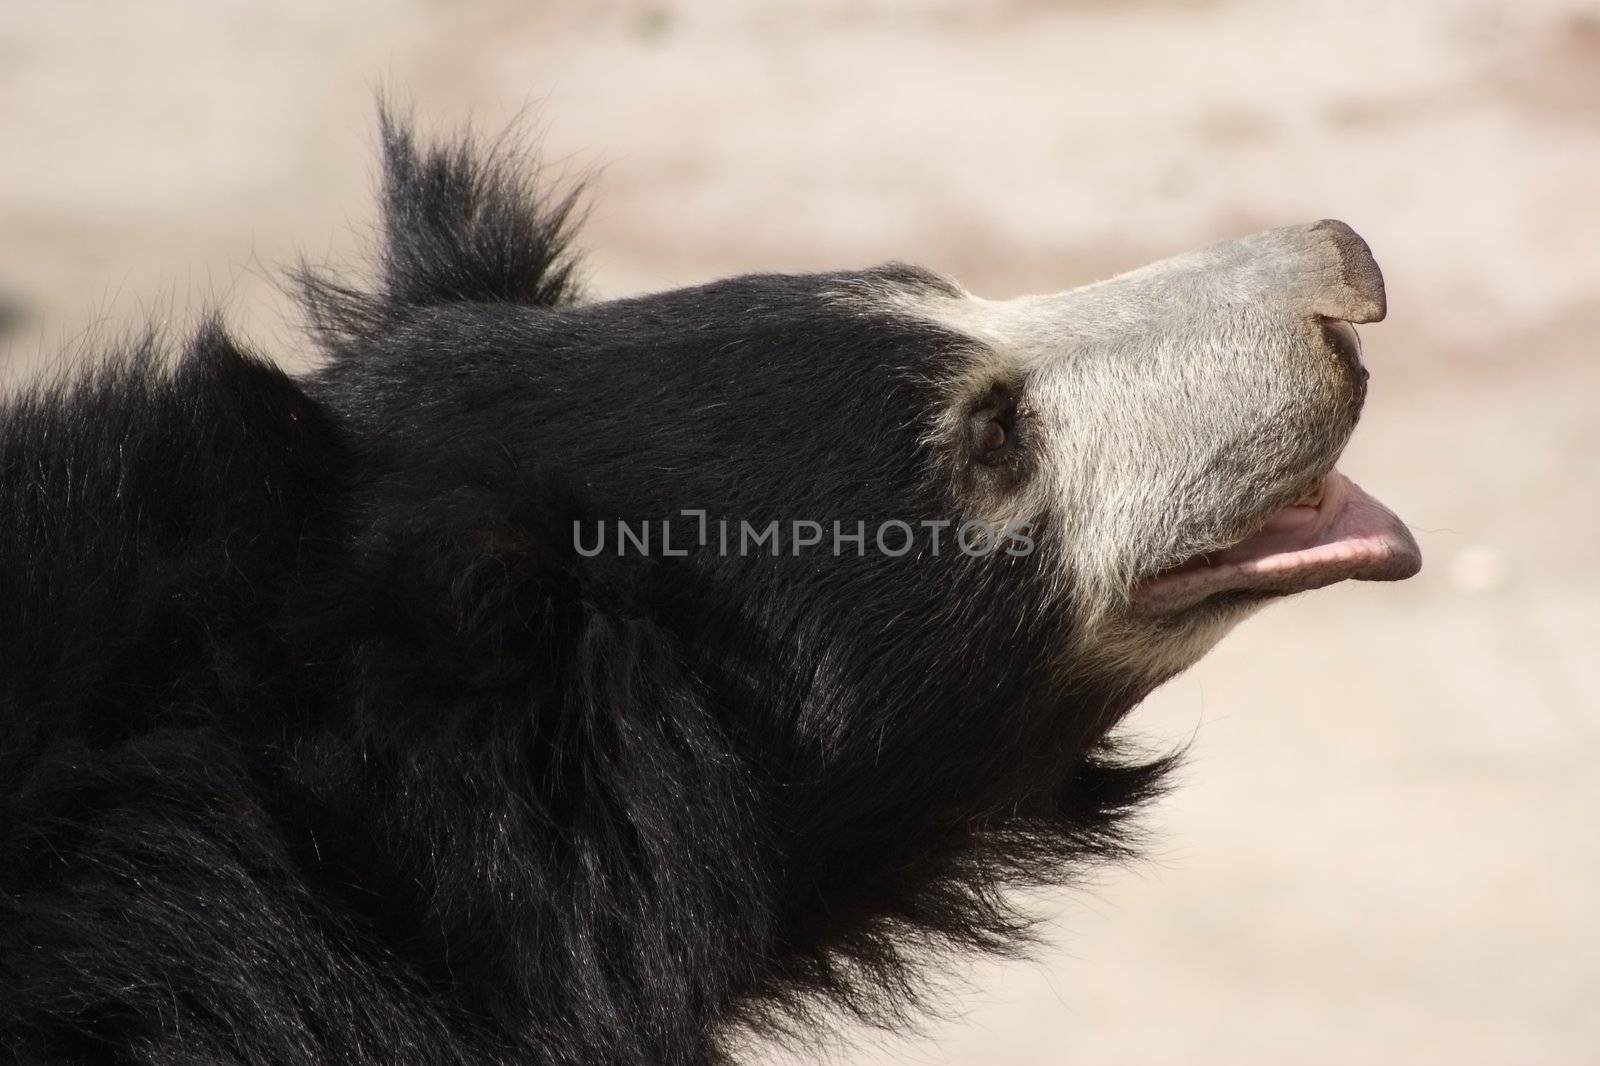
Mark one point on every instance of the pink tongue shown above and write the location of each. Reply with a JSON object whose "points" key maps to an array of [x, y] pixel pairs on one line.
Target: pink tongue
{"points": [[1349, 535]]}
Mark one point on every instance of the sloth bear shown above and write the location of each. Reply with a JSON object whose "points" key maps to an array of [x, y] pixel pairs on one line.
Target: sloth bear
{"points": [[545, 680]]}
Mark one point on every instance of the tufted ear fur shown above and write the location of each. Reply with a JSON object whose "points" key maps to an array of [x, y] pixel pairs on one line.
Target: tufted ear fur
{"points": [[459, 225]]}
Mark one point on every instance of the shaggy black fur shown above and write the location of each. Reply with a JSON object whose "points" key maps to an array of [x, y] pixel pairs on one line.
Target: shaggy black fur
{"points": [[321, 743]]}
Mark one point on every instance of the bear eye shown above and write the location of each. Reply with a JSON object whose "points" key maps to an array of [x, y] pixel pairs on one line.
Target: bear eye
{"points": [[992, 427]]}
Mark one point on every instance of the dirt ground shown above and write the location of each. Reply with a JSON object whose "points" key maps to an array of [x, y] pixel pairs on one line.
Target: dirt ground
{"points": [[1384, 849]]}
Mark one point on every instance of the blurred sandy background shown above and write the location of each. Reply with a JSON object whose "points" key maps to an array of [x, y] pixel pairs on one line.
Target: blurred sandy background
{"points": [[1385, 846]]}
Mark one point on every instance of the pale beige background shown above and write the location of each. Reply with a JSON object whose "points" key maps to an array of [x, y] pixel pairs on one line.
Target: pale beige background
{"points": [[1385, 847]]}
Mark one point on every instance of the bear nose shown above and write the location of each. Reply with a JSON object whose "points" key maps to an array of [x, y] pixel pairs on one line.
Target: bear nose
{"points": [[1342, 280]]}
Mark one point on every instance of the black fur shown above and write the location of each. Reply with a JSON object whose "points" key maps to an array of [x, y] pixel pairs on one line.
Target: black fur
{"points": [[321, 743]]}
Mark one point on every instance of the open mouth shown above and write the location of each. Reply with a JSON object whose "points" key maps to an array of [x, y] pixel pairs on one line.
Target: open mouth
{"points": [[1334, 533]]}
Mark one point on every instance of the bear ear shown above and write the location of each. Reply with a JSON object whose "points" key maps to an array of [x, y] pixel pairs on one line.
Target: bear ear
{"points": [[461, 223], [473, 587]]}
